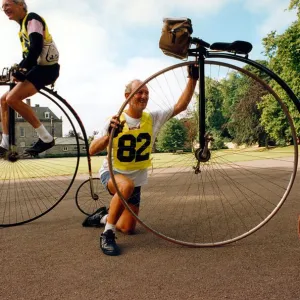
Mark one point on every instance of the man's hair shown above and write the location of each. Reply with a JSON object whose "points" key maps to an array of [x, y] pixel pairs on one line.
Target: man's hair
{"points": [[22, 2], [128, 86]]}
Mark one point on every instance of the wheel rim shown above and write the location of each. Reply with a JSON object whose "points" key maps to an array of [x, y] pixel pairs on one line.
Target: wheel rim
{"points": [[236, 193], [84, 200]]}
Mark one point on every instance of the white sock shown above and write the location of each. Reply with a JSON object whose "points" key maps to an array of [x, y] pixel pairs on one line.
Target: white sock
{"points": [[43, 134], [103, 219], [5, 141], [110, 226]]}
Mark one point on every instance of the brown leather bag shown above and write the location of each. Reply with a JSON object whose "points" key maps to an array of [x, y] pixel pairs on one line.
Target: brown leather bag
{"points": [[176, 37]]}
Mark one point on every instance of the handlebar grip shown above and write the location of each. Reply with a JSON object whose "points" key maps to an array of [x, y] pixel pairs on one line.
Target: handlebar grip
{"points": [[200, 42]]}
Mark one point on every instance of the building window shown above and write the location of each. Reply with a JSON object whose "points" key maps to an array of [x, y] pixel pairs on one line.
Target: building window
{"points": [[47, 115], [22, 132], [83, 148], [19, 116], [65, 149]]}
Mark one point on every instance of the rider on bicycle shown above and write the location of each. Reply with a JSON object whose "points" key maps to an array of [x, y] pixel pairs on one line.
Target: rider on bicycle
{"points": [[38, 68]]}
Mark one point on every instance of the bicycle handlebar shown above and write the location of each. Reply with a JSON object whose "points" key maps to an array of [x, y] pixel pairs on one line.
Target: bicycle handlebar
{"points": [[198, 42], [6, 75]]}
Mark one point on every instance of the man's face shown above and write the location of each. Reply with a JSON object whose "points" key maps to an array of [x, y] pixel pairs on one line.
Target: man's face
{"points": [[13, 10], [140, 99]]}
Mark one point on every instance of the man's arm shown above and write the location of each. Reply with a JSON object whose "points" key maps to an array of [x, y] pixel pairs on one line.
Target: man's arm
{"points": [[101, 143], [35, 27], [98, 145], [185, 97]]}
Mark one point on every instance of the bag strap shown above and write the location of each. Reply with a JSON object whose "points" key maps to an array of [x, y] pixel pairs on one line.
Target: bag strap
{"points": [[178, 26]]}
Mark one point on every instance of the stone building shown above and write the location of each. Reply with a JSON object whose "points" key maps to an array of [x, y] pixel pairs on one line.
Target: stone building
{"points": [[66, 146], [27, 136]]}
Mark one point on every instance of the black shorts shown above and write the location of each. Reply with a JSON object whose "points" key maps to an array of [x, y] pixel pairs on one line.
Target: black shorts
{"points": [[40, 76]]}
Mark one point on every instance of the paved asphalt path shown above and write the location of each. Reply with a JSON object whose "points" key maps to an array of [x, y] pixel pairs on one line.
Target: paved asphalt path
{"points": [[54, 257]]}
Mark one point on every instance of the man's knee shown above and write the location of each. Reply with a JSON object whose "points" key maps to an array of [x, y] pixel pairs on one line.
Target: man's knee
{"points": [[126, 189], [3, 100], [11, 100], [127, 229]]}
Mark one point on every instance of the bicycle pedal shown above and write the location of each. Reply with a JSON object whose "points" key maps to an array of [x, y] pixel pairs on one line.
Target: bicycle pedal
{"points": [[30, 154], [12, 156]]}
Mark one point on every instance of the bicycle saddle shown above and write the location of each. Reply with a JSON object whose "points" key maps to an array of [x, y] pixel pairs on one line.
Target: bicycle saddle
{"points": [[240, 47]]}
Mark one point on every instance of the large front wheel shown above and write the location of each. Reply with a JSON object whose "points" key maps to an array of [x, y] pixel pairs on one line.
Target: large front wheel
{"points": [[253, 156], [32, 186]]}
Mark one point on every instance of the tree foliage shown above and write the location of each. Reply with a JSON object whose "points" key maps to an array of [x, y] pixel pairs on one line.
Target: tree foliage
{"points": [[172, 136], [71, 133], [283, 51], [244, 125]]}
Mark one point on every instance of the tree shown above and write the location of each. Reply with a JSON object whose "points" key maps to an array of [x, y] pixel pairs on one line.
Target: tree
{"points": [[214, 103], [71, 133], [192, 131], [284, 59], [245, 125], [172, 136], [91, 137], [295, 4]]}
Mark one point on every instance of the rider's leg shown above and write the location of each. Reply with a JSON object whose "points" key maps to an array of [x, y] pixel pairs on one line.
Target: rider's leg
{"points": [[107, 239], [15, 98], [4, 119], [116, 207], [127, 222]]}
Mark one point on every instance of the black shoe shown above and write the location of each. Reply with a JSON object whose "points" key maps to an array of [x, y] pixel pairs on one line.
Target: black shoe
{"points": [[3, 152], [94, 219], [108, 244], [40, 147]]}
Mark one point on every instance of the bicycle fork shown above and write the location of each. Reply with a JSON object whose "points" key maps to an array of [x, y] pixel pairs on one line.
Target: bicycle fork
{"points": [[92, 188], [202, 154], [12, 152]]}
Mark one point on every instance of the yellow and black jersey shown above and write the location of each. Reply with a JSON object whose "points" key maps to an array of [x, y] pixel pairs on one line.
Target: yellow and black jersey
{"points": [[132, 147], [38, 46]]}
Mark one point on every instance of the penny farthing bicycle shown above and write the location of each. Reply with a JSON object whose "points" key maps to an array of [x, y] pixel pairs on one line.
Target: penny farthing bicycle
{"points": [[31, 186], [245, 153]]}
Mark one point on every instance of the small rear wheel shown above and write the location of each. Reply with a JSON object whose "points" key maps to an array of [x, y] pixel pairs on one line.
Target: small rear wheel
{"points": [[87, 202]]}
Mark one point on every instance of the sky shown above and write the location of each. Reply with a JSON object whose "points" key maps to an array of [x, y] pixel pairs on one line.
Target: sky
{"points": [[104, 44]]}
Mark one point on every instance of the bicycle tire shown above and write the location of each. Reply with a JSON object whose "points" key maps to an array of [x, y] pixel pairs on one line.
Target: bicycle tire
{"points": [[200, 210], [32, 187], [88, 204]]}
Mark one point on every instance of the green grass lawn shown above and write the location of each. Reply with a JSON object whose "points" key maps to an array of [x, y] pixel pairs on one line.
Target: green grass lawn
{"points": [[65, 166], [233, 155]]}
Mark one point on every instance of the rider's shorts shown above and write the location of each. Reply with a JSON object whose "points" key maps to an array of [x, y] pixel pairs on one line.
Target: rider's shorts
{"points": [[40, 76], [135, 198]]}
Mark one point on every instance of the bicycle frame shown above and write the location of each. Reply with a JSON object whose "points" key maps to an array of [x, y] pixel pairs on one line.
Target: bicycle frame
{"points": [[71, 109], [11, 126]]}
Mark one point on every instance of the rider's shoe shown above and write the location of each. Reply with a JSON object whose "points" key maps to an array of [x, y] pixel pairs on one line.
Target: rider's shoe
{"points": [[3, 152], [94, 219], [108, 244], [40, 147]]}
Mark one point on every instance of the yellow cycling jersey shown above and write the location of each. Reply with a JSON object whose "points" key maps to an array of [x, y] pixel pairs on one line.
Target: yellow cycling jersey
{"points": [[49, 55], [132, 147]]}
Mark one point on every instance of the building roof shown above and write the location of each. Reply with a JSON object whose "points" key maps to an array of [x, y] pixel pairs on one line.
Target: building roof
{"points": [[40, 113], [67, 141]]}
